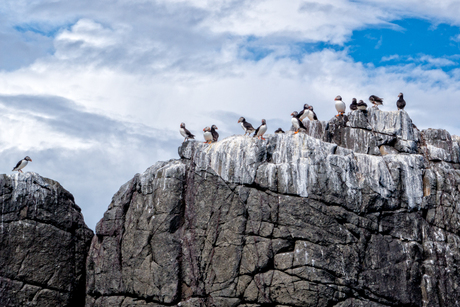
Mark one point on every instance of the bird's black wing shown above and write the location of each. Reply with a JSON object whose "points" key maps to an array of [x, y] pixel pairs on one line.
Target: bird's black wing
{"points": [[301, 125], [257, 130], [400, 103], [215, 135], [248, 126], [314, 116], [17, 165], [300, 113], [189, 134]]}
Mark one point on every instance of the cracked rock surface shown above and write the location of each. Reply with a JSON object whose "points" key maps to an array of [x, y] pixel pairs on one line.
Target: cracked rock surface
{"points": [[43, 243], [360, 211]]}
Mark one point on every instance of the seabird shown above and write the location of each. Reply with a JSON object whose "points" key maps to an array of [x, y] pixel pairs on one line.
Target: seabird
{"points": [[376, 101], [215, 135], [353, 105], [21, 164], [247, 127], [296, 122], [304, 113], [362, 105], [207, 135], [185, 133], [340, 106], [401, 103], [261, 130], [279, 131], [311, 114]]}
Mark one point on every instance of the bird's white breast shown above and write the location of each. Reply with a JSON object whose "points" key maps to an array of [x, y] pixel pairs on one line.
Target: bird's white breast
{"points": [[310, 115], [262, 130], [207, 136], [242, 126], [304, 115], [182, 132], [340, 106], [295, 122], [23, 164]]}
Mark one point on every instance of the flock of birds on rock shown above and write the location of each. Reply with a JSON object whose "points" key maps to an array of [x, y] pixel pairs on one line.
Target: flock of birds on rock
{"points": [[211, 135]]}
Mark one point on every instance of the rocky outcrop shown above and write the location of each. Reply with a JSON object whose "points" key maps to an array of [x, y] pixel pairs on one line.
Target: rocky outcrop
{"points": [[44, 242], [360, 211]]}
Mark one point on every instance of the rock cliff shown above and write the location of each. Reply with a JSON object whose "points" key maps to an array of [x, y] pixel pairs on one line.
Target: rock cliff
{"points": [[360, 211], [44, 243]]}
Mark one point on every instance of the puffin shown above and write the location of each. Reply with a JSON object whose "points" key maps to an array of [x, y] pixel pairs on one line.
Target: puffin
{"points": [[362, 105], [21, 164], [401, 103], [340, 106], [207, 135], [279, 131], [185, 133], [296, 122], [247, 127], [353, 105], [304, 113], [311, 114], [215, 135], [261, 130], [376, 101]]}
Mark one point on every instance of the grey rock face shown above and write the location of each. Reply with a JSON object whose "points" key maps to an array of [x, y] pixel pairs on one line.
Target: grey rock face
{"points": [[366, 132], [291, 221], [44, 242]]}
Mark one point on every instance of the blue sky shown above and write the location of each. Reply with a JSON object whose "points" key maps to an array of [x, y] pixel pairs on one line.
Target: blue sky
{"points": [[95, 93]]}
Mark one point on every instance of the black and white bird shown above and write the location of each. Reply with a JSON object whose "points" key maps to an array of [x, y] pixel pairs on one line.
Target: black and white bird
{"points": [[207, 135], [279, 131], [311, 114], [401, 103], [261, 130], [247, 127], [215, 135], [376, 101], [185, 133], [21, 164], [340, 106], [354, 105], [296, 122], [362, 105], [304, 113]]}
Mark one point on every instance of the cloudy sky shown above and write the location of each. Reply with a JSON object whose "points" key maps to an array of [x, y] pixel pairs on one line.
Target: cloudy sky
{"points": [[94, 90]]}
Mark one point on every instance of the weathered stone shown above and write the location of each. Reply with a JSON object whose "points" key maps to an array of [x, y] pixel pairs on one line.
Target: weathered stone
{"points": [[320, 218], [439, 146], [44, 242]]}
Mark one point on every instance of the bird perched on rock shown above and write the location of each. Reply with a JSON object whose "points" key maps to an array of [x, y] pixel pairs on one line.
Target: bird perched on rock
{"points": [[21, 164], [340, 105], [207, 135], [401, 103], [362, 105], [304, 113], [354, 105], [261, 130], [311, 114], [296, 122], [247, 127], [215, 135], [376, 101], [185, 133], [279, 131]]}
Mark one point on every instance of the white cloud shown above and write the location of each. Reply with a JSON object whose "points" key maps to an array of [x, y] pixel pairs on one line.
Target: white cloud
{"points": [[121, 78]]}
